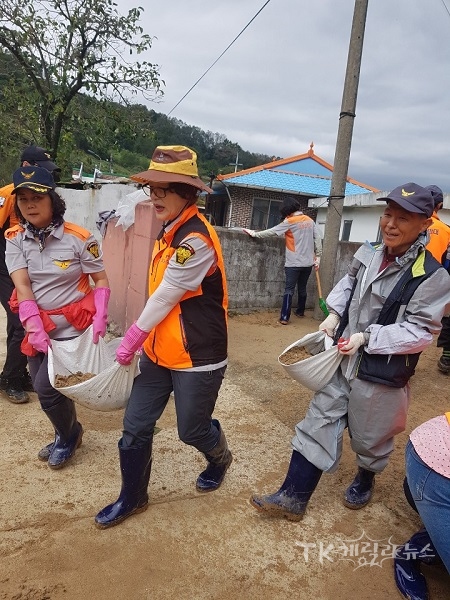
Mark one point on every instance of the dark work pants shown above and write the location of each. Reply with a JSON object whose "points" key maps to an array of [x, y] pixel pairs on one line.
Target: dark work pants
{"points": [[16, 362], [443, 340], [195, 395], [48, 395], [297, 276]]}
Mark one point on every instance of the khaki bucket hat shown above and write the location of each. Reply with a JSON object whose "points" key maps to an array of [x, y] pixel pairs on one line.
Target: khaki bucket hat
{"points": [[173, 164]]}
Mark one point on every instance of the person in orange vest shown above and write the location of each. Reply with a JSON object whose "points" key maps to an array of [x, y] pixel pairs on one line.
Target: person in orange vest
{"points": [[439, 245], [15, 380], [183, 331], [52, 263]]}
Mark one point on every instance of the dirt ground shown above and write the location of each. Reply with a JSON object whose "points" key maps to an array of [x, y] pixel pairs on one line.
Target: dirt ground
{"points": [[195, 546]]}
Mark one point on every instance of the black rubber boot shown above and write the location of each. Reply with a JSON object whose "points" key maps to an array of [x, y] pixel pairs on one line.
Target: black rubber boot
{"points": [[418, 549], [359, 492], [69, 433], [293, 496], [219, 459], [135, 466], [285, 314]]}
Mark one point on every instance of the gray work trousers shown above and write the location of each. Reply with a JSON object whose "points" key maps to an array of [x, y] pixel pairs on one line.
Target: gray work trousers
{"points": [[373, 413]]}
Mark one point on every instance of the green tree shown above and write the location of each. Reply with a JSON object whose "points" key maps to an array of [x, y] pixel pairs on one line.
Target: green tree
{"points": [[64, 47]]}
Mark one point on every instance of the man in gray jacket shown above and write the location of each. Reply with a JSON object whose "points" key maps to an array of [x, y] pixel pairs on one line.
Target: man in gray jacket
{"points": [[383, 314]]}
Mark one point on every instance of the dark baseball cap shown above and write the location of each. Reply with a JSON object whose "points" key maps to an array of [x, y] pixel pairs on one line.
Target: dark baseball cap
{"points": [[37, 179], [35, 154], [437, 194], [413, 198]]}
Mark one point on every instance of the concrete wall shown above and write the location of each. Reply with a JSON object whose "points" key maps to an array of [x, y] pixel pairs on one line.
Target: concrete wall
{"points": [[83, 206]]}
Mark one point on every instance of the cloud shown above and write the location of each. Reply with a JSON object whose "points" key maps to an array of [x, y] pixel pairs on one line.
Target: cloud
{"points": [[280, 85]]}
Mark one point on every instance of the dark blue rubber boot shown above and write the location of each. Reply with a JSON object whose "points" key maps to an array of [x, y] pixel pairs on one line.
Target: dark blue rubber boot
{"points": [[135, 466], [219, 459], [418, 549], [285, 314], [293, 496], [359, 492], [68, 433]]}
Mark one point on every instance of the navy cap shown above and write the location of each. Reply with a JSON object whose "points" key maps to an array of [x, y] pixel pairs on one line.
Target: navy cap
{"points": [[37, 179], [413, 198], [437, 194], [36, 154]]}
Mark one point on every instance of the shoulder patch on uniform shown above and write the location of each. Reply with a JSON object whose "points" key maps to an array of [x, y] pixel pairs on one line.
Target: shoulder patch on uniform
{"points": [[79, 232], [184, 253], [13, 232], [93, 249]]}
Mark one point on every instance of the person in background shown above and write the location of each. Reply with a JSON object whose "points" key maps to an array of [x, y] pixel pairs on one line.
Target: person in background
{"points": [[439, 246], [183, 330], [427, 489], [51, 263], [303, 251], [386, 309], [15, 380]]}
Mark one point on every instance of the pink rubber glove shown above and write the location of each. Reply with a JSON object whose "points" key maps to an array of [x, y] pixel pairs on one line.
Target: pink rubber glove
{"points": [[32, 322], [351, 346], [131, 343], [99, 320]]}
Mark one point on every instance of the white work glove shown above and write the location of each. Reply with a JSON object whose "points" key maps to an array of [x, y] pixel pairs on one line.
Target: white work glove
{"points": [[330, 324], [316, 263], [249, 232], [351, 346]]}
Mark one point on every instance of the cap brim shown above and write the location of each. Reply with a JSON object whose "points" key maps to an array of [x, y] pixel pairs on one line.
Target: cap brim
{"points": [[36, 187], [146, 177], [406, 205], [48, 164]]}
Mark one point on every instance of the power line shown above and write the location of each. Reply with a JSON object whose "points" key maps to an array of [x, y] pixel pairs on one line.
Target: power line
{"points": [[217, 59]]}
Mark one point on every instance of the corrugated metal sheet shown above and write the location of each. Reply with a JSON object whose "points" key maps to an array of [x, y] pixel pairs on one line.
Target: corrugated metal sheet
{"points": [[290, 182]]}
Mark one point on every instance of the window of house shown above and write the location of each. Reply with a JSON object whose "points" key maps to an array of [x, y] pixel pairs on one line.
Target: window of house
{"points": [[346, 230], [265, 213]]}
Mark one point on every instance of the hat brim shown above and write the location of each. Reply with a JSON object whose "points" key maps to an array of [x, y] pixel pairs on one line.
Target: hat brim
{"points": [[403, 202], [48, 164], [36, 187], [162, 177]]}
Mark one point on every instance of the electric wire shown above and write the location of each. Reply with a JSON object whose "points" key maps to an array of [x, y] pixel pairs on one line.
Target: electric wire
{"points": [[217, 59]]}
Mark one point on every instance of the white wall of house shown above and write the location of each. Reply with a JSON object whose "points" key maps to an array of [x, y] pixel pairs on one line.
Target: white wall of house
{"points": [[364, 211], [83, 206]]}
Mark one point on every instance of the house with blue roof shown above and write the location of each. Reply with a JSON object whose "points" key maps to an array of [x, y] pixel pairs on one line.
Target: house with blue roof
{"points": [[252, 197]]}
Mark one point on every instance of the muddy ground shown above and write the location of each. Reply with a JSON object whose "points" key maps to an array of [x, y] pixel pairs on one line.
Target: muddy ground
{"points": [[193, 546]]}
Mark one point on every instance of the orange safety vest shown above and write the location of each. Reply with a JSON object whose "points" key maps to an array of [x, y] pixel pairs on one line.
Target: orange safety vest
{"points": [[194, 333]]}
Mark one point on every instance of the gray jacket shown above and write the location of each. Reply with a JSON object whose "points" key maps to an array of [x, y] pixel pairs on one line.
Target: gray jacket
{"points": [[416, 322]]}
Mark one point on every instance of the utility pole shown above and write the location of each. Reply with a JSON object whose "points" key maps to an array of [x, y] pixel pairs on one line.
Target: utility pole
{"points": [[342, 152]]}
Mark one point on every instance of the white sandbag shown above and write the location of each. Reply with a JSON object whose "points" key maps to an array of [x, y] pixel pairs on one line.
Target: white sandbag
{"points": [[317, 370], [111, 386]]}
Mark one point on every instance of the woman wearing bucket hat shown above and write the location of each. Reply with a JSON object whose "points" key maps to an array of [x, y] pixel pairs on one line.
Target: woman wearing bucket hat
{"points": [[51, 263], [183, 332]]}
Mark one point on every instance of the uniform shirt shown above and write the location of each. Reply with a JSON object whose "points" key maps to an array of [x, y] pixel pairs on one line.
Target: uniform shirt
{"points": [[439, 234], [431, 441], [59, 274], [302, 238]]}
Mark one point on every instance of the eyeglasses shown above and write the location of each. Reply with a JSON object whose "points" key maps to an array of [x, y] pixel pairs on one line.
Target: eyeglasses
{"points": [[159, 192]]}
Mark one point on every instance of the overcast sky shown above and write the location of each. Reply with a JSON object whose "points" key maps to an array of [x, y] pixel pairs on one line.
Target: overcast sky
{"points": [[279, 87]]}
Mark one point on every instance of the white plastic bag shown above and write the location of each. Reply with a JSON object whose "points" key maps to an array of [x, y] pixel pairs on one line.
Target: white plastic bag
{"points": [[126, 208], [317, 370], [111, 386]]}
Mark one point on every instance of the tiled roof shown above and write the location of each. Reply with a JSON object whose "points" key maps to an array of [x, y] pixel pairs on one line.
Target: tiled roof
{"points": [[303, 174]]}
